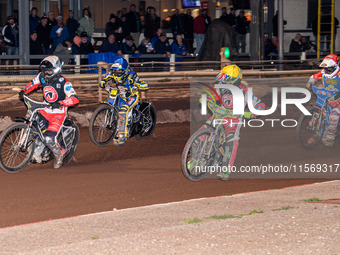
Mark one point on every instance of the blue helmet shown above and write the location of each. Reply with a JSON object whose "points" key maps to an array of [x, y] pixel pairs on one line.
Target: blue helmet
{"points": [[120, 70]]}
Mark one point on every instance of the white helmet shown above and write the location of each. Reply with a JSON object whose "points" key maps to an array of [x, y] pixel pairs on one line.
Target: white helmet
{"points": [[50, 67], [330, 65]]}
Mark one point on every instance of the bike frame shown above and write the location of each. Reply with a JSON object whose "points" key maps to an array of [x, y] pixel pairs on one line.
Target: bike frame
{"points": [[113, 102], [30, 119]]}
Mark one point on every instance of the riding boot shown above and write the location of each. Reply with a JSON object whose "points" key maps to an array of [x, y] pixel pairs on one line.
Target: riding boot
{"points": [[329, 134]]}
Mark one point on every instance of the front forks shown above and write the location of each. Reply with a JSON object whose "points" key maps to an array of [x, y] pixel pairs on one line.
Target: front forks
{"points": [[23, 140]]}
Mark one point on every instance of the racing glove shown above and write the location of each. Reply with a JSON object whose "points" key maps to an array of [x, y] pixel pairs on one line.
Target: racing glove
{"points": [[21, 94], [56, 105], [102, 84]]}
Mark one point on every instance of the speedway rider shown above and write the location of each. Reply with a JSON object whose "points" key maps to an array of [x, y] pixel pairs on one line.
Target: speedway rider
{"points": [[59, 93], [330, 76], [128, 83], [231, 75]]}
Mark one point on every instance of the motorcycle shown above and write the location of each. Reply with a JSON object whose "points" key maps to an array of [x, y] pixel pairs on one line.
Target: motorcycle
{"points": [[207, 147], [310, 128], [103, 124], [22, 143]]}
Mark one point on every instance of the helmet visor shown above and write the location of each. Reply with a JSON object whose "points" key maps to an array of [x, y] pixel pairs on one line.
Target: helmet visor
{"points": [[329, 70], [118, 72]]}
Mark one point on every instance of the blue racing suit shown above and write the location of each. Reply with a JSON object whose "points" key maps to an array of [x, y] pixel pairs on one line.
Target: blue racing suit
{"points": [[127, 99]]}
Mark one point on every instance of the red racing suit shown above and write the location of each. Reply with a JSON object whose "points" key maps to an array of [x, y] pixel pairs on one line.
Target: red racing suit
{"points": [[233, 125], [60, 90]]}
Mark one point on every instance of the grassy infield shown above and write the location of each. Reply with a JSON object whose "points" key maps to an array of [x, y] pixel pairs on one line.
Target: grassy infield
{"points": [[229, 216]]}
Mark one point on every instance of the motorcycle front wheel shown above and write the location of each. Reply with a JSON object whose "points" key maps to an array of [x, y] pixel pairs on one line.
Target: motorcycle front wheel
{"points": [[103, 125], [13, 157], [198, 154]]}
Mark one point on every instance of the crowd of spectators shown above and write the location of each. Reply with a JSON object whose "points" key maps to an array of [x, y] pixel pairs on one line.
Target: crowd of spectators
{"points": [[49, 35]]}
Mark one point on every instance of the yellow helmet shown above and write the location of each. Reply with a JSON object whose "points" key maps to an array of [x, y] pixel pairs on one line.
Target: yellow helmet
{"points": [[230, 74]]}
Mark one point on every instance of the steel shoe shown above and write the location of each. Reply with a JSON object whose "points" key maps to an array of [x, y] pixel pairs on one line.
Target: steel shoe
{"points": [[58, 161]]}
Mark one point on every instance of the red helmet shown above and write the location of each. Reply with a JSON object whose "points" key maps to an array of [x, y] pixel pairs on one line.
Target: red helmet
{"points": [[330, 65]]}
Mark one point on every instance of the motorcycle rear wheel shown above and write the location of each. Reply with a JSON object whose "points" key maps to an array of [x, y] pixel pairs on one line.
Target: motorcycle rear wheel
{"points": [[309, 136], [69, 155]]}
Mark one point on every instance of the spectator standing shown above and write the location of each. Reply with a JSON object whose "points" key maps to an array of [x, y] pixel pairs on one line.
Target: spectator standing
{"points": [[110, 45], [124, 11], [125, 27], [199, 30], [275, 22], [34, 19], [162, 46], [43, 33], [224, 16], [241, 28], [146, 47], [59, 32], [188, 21], [111, 27], [51, 22], [176, 24], [151, 23], [207, 19], [35, 48], [72, 25], [231, 18], [178, 47], [11, 38], [134, 22], [128, 46], [326, 28], [86, 23], [119, 16]]}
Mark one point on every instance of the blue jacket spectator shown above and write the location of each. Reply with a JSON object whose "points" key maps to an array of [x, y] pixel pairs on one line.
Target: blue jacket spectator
{"points": [[178, 47], [59, 32], [34, 19], [156, 37], [110, 45], [162, 46], [128, 46]]}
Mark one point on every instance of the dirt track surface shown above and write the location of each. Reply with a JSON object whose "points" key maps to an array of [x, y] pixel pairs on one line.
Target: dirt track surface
{"points": [[266, 222], [144, 172]]}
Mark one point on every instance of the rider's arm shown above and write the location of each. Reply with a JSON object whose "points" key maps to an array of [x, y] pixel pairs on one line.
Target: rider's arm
{"points": [[71, 97], [256, 102], [32, 85], [107, 77], [314, 78], [141, 85]]}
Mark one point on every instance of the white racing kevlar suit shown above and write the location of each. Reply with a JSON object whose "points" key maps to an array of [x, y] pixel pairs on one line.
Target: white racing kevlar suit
{"points": [[127, 102], [233, 125], [330, 84], [60, 90]]}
